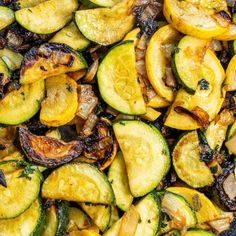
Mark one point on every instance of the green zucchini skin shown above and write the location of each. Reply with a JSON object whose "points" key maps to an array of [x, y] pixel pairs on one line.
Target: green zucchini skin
{"points": [[199, 232], [232, 47], [41, 221], [63, 217]]}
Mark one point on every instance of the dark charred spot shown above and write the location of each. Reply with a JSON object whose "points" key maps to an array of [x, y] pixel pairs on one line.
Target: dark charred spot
{"points": [[43, 68], [225, 16], [204, 84], [3, 179], [224, 57]]}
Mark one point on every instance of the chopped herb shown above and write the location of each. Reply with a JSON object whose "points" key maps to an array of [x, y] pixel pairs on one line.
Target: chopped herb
{"points": [[98, 109], [197, 205], [163, 224], [69, 88], [122, 123], [38, 102], [139, 221], [204, 84], [149, 221], [217, 148], [3, 179], [164, 152], [28, 169], [29, 10], [111, 181]]}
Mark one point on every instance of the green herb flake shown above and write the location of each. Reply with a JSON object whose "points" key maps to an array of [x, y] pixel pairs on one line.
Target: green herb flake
{"points": [[176, 49], [69, 88]]}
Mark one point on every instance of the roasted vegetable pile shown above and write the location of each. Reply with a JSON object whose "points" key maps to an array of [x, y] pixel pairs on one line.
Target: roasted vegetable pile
{"points": [[117, 118]]}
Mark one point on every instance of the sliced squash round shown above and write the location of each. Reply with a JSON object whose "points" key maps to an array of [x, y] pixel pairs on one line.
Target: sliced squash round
{"points": [[208, 97], [187, 164], [188, 62], [178, 209], [230, 81], [20, 105], [157, 59], [201, 19], [146, 155], [15, 200], [228, 35], [118, 81], [60, 105], [29, 223], [49, 60], [100, 214], [118, 178], [106, 25], [71, 36], [6, 17], [50, 226], [79, 182], [204, 208], [46, 17]]}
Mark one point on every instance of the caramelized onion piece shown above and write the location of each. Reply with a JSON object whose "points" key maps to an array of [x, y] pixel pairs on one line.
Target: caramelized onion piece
{"points": [[48, 151], [198, 114]]}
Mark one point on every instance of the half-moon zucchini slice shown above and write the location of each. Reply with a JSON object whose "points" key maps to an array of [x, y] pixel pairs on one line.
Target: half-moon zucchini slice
{"points": [[79, 182], [106, 25], [47, 17], [6, 17], [48, 60]]}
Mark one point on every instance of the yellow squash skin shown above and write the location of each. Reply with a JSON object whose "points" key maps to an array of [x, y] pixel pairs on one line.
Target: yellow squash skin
{"points": [[196, 18], [156, 61], [230, 81]]}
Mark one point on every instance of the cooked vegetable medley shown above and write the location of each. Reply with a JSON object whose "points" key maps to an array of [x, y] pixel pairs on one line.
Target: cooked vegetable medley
{"points": [[117, 118]]}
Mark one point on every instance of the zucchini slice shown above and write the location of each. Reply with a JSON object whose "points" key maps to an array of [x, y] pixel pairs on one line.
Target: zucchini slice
{"points": [[71, 36], [146, 155], [51, 224], [49, 60], [208, 98], [15, 200], [79, 182], [228, 35], [100, 214], [106, 25], [150, 215], [201, 19], [46, 17], [203, 207], [230, 81], [178, 209], [63, 217], [187, 164], [198, 232], [157, 59], [117, 175], [7, 17], [231, 131], [20, 105], [118, 81], [188, 62], [78, 220], [158, 102], [99, 3], [28, 3], [60, 105], [114, 230], [29, 223], [5, 74], [12, 59], [114, 215]]}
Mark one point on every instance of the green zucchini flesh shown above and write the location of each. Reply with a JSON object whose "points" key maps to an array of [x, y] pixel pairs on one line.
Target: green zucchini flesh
{"points": [[49, 60], [117, 176], [79, 182], [106, 26], [100, 214], [118, 81], [46, 17], [187, 62], [178, 209], [51, 223], [6, 17], [231, 131], [20, 105], [4, 72], [77, 219], [150, 215], [198, 232], [29, 223], [71, 36], [63, 217], [28, 3], [146, 155], [12, 59], [187, 164], [14, 199]]}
